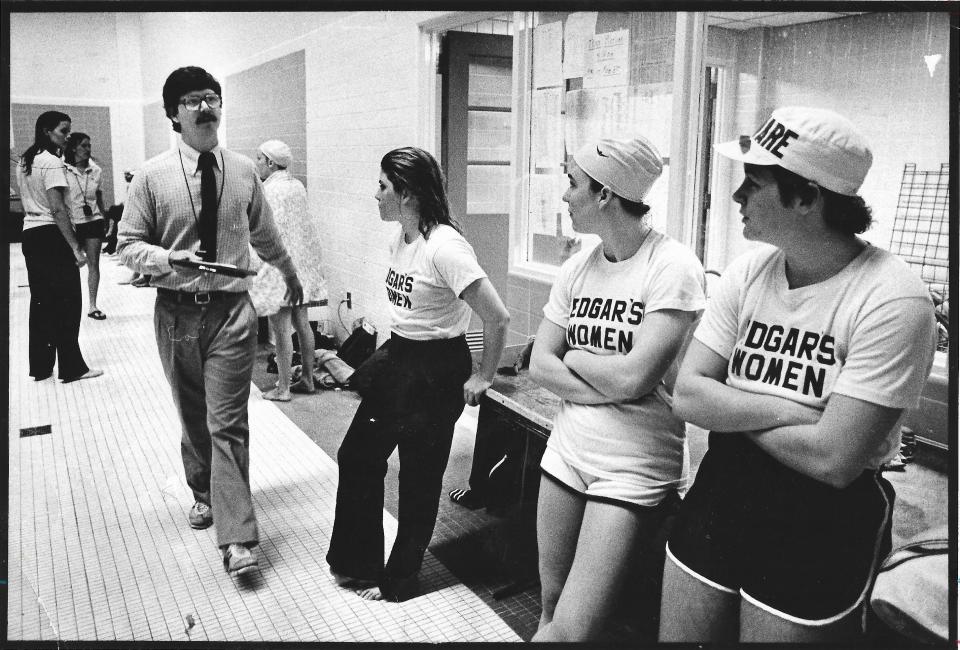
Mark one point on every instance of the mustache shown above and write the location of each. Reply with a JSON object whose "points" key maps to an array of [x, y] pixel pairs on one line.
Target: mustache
{"points": [[206, 117]]}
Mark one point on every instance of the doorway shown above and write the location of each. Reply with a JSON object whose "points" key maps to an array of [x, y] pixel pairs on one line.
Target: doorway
{"points": [[704, 191], [476, 131]]}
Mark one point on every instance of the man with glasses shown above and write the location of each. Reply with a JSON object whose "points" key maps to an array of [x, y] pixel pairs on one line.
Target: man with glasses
{"points": [[195, 205]]}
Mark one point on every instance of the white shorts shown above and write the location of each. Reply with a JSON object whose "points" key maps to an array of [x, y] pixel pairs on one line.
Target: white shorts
{"points": [[620, 490]]}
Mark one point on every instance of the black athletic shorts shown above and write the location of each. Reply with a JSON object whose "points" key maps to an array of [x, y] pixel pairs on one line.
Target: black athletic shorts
{"points": [[91, 230], [793, 546]]}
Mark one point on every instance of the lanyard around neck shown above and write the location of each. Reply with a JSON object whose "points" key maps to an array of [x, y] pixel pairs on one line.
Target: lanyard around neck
{"points": [[86, 183]]}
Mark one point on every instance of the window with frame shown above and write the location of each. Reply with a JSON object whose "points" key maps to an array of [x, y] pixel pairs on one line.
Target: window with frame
{"points": [[591, 75]]}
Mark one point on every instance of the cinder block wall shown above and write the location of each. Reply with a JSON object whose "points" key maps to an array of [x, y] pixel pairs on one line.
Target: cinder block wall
{"points": [[362, 101], [869, 68]]}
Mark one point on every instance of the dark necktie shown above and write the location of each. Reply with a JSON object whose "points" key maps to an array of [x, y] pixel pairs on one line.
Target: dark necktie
{"points": [[208, 207]]}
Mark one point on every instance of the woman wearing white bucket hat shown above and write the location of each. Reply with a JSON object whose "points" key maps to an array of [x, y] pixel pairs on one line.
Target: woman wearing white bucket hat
{"points": [[616, 321], [288, 199], [807, 356]]}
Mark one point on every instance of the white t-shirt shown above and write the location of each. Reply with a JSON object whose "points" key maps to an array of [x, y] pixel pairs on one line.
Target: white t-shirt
{"points": [[82, 187], [424, 282], [46, 173], [868, 332], [600, 304]]}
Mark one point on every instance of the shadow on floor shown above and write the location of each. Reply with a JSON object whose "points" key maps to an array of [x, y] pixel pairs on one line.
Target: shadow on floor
{"points": [[491, 554]]}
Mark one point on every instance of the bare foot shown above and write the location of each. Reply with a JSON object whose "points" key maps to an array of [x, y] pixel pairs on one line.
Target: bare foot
{"points": [[89, 374], [350, 582], [303, 387], [277, 395], [370, 593]]}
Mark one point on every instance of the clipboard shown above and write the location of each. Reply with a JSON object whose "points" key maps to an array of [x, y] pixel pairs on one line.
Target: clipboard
{"points": [[216, 267]]}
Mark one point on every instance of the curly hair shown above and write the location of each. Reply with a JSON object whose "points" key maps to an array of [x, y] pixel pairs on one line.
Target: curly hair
{"points": [[413, 171], [844, 214]]}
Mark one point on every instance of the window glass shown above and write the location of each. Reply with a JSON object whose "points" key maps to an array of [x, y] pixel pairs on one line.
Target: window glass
{"points": [[594, 75], [889, 73]]}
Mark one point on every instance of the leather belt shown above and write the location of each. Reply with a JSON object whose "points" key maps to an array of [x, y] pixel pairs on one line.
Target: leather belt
{"points": [[202, 298]]}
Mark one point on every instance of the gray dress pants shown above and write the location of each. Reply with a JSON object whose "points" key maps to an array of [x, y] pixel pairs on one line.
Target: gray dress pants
{"points": [[207, 352]]}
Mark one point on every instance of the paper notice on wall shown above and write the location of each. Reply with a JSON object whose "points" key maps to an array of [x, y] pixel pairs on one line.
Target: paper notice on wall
{"points": [[577, 125], [546, 145], [607, 57], [597, 113], [580, 28], [544, 203], [548, 55]]}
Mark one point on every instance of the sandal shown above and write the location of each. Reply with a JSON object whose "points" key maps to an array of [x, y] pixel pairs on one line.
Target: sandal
{"points": [[96, 314]]}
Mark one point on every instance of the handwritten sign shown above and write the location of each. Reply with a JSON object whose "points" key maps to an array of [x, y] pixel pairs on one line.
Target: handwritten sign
{"points": [[607, 57]]}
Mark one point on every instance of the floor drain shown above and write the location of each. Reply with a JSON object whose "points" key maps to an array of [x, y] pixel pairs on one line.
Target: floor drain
{"points": [[35, 431]]}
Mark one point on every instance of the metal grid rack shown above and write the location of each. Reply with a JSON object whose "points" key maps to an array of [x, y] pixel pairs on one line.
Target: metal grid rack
{"points": [[921, 232]]}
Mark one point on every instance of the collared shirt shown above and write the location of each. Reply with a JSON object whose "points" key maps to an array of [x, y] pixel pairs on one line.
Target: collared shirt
{"points": [[162, 214], [82, 187], [45, 173]]}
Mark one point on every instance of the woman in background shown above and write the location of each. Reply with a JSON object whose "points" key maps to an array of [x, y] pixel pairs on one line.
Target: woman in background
{"points": [[52, 254], [422, 380], [85, 202], [288, 200], [617, 320]]}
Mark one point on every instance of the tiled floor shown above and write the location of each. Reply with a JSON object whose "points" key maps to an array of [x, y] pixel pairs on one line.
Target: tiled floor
{"points": [[99, 548]]}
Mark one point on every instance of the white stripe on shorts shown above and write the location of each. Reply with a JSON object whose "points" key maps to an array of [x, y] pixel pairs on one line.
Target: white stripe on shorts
{"points": [[696, 575], [863, 594]]}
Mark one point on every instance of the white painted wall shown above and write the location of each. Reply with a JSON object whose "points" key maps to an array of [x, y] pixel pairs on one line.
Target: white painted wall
{"points": [[93, 60], [363, 93]]}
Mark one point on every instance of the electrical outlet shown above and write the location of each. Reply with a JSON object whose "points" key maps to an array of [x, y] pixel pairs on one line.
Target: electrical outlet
{"points": [[349, 300]]}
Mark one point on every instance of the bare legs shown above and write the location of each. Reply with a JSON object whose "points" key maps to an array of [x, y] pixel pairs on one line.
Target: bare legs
{"points": [[585, 548], [280, 325], [693, 611], [92, 249], [301, 323]]}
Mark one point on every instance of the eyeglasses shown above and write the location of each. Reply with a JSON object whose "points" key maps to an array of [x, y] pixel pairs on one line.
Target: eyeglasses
{"points": [[193, 103]]}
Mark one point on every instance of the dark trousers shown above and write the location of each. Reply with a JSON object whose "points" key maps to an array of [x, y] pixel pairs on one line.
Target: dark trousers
{"points": [[494, 441], [207, 353], [411, 405], [56, 303]]}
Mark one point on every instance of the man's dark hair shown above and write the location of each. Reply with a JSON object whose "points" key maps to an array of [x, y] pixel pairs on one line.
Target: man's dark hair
{"points": [[180, 82], [847, 215], [634, 208]]}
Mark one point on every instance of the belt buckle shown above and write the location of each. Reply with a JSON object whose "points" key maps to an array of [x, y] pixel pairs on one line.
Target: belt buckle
{"points": [[201, 298]]}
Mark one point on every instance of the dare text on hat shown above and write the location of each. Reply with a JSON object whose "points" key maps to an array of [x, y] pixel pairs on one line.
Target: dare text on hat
{"points": [[815, 143]]}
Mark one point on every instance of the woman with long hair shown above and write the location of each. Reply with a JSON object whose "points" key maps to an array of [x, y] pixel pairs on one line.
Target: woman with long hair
{"points": [[85, 201], [808, 355], [617, 320], [418, 382], [53, 256]]}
